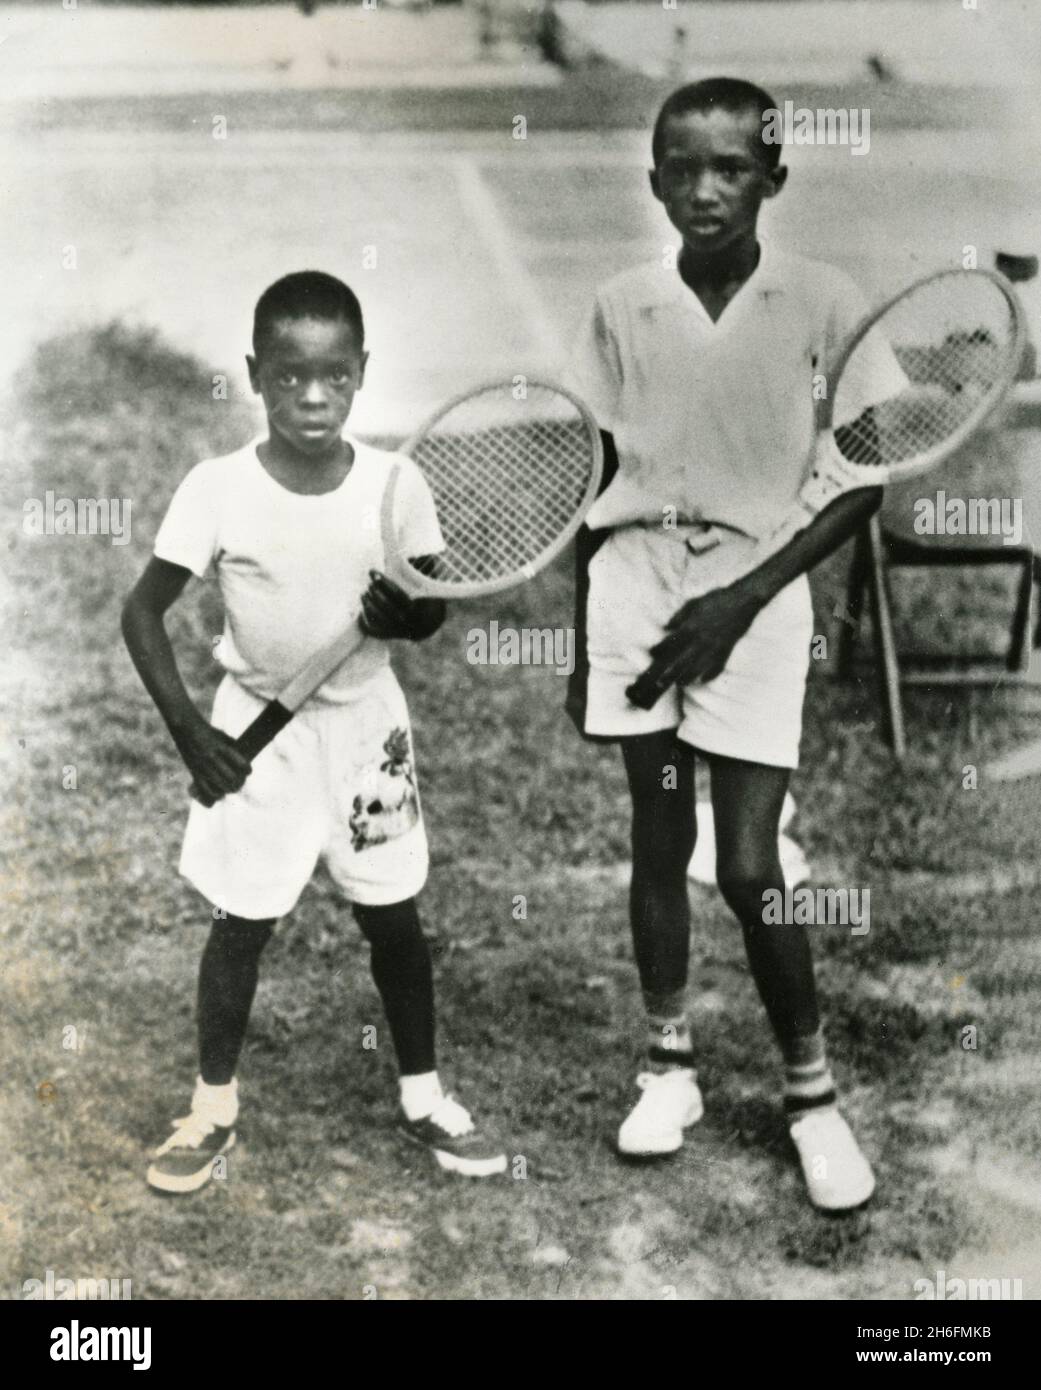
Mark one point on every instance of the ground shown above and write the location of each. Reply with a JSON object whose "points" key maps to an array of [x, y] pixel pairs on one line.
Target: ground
{"points": [[487, 248]]}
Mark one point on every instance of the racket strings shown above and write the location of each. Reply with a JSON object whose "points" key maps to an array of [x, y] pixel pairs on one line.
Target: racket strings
{"points": [[491, 452], [504, 488], [476, 491], [952, 338]]}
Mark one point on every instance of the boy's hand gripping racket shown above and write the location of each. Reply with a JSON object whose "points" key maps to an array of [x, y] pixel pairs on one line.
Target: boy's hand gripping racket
{"points": [[512, 479], [958, 337]]}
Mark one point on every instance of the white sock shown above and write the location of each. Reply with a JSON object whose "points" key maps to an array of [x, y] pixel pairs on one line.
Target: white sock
{"points": [[218, 1103], [420, 1094]]}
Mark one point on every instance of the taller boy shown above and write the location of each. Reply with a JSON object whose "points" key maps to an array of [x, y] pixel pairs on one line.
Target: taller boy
{"points": [[700, 371]]}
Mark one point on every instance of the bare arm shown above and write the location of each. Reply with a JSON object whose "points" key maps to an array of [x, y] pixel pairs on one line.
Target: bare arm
{"points": [[832, 528], [704, 632], [216, 765]]}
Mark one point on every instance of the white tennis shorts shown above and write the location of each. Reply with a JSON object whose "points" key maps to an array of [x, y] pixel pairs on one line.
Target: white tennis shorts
{"points": [[337, 783], [753, 710]]}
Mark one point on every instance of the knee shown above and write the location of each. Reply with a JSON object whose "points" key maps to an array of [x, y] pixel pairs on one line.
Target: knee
{"points": [[235, 944], [744, 881], [663, 835], [660, 864]]}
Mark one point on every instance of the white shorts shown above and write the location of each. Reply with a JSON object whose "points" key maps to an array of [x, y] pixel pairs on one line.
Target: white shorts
{"points": [[753, 711], [337, 782]]}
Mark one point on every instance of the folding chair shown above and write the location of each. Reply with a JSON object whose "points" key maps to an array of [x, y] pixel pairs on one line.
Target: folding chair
{"points": [[884, 546]]}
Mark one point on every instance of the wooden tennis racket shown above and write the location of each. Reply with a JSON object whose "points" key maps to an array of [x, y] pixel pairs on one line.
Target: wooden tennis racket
{"points": [[513, 467], [958, 337]]}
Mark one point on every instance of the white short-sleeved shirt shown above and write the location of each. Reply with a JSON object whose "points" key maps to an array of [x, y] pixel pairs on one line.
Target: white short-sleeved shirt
{"points": [[717, 419], [292, 568]]}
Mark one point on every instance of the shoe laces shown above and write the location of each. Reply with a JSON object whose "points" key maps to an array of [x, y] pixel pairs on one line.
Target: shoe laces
{"points": [[189, 1132], [452, 1117]]}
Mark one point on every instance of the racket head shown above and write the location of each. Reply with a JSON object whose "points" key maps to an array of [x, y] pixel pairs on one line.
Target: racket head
{"points": [[513, 466], [958, 336]]}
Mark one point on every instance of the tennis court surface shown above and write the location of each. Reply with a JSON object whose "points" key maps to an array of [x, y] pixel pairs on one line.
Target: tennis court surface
{"points": [[474, 254]]}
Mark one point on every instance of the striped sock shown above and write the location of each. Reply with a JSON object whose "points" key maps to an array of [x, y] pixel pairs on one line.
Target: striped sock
{"points": [[669, 1043], [808, 1083]]}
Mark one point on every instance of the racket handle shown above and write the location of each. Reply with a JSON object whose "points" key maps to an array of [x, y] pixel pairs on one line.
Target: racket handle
{"points": [[271, 720], [644, 693]]}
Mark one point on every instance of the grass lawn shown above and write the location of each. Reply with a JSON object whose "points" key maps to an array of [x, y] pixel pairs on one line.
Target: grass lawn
{"points": [[539, 1018]]}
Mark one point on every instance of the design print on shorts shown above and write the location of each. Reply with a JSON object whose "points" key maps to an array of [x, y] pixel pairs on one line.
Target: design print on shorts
{"points": [[388, 804]]}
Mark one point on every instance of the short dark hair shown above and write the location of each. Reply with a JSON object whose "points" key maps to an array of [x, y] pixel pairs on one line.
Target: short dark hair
{"points": [[728, 93], [305, 294]]}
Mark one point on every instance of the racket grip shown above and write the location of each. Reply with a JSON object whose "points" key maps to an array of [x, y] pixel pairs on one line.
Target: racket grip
{"points": [[270, 721], [644, 693]]}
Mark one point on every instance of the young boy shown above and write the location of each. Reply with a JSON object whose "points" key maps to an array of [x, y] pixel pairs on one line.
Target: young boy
{"points": [[700, 371], [290, 525]]}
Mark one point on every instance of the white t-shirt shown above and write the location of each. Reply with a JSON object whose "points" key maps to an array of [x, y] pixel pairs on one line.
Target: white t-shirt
{"points": [[292, 568], [717, 419]]}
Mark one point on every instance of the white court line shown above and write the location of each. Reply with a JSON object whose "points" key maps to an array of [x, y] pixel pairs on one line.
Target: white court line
{"points": [[518, 283]]}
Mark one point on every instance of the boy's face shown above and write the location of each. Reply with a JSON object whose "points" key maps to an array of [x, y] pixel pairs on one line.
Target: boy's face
{"points": [[712, 177], [308, 373]]}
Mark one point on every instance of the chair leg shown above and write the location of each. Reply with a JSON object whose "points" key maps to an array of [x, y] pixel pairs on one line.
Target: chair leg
{"points": [[1018, 654], [885, 643], [856, 587]]}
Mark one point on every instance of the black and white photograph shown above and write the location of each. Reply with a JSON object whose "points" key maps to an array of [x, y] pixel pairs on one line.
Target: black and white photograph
{"points": [[521, 676]]}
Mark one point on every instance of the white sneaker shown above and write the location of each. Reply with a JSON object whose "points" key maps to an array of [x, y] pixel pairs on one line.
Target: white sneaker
{"points": [[1020, 762], [187, 1160], [457, 1143], [670, 1102], [837, 1174]]}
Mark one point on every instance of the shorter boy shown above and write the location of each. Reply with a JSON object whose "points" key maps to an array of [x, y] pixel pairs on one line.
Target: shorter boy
{"points": [[287, 523]]}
